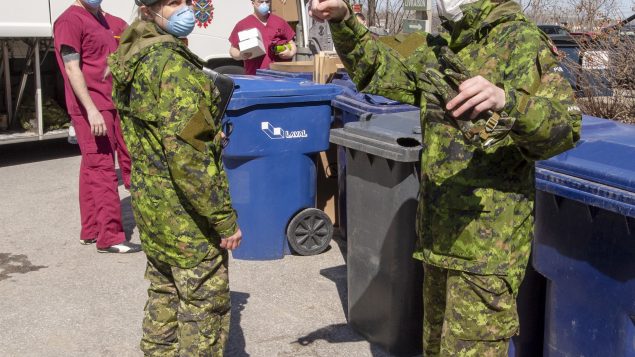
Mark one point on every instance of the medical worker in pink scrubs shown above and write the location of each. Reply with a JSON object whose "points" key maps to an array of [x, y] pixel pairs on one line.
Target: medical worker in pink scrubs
{"points": [[85, 36]]}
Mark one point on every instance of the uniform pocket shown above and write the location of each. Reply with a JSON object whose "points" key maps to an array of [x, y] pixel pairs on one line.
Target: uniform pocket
{"points": [[480, 308]]}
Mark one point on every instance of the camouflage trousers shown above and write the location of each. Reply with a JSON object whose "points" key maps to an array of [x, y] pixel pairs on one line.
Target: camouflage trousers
{"points": [[188, 310], [468, 315]]}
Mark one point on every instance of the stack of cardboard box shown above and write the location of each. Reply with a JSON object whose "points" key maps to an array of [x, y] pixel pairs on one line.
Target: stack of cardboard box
{"points": [[325, 64], [287, 9], [251, 42]]}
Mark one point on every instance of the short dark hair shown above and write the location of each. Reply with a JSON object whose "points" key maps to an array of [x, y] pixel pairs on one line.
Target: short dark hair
{"points": [[360, 16]]}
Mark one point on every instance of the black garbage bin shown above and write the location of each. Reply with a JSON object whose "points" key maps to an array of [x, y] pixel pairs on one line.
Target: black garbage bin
{"points": [[384, 282]]}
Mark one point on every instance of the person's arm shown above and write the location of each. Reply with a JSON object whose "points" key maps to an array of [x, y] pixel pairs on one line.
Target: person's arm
{"points": [[71, 60], [190, 137], [548, 119], [235, 54], [68, 43], [373, 66], [289, 52], [289, 35]]}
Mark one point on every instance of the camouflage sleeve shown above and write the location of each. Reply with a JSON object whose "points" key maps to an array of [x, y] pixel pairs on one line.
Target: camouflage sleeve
{"points": [[372, 65], [540, 98], [190, 137]]}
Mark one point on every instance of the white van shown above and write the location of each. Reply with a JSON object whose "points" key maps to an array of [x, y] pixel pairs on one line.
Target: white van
{"points": [[26, 34], [215, 21]]}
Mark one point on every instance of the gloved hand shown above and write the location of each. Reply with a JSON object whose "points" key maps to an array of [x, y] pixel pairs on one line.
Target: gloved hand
{"points": [[471, 103]]}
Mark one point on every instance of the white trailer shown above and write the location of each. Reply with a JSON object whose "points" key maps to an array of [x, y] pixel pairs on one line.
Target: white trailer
{"points": [[26, 42]]}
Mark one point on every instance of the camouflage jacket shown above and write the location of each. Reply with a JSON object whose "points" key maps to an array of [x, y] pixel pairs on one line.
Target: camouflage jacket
{"points": [[476, 204], [179, 189]]}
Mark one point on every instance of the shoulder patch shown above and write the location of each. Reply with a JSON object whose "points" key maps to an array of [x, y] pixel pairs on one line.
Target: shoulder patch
{"points": [[203, 12]]}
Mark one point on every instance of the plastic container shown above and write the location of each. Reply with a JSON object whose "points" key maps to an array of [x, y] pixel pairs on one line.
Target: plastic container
{"points": [[530, 304], [352, 106], [384, 282], [585, 243], [304, 76], [342, 79], [274, 129]]}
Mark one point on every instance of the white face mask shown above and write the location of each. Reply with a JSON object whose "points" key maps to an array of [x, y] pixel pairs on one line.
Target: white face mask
{"points": [[451, 10]]}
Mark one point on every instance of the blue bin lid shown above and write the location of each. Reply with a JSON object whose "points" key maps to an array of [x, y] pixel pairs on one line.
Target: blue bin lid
{"points": [[599, 171], [257, 90], [359, 103]]}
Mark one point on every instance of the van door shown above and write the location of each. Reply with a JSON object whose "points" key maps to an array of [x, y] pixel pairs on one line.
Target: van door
{"points": [[25, 18]]}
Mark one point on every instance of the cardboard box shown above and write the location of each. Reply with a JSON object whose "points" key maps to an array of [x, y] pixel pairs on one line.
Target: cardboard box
{"points": [[327, 188], [250, 33], [253, 46], [287, 9], [299, 66], [325, 64]]}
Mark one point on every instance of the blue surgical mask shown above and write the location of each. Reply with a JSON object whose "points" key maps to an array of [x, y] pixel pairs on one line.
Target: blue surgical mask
{"points": [[93, 3], [263, 9], [181, 23]]}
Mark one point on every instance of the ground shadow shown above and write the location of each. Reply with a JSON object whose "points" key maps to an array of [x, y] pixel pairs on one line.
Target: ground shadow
{"points": [[16, 264], [341, 244], [338, 276], [23, 153], [236, 344], [338, 333], [127, 217]]}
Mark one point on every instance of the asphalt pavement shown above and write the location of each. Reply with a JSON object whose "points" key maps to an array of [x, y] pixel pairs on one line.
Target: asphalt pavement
{"points": [[59, 298]]}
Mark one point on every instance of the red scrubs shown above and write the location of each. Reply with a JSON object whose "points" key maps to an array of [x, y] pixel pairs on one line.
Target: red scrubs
{"points": [[275, 32], [94, 38]]}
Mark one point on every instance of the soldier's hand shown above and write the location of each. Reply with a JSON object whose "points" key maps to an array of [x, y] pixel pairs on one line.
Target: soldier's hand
{"points": [[97, 123], [476, 95], [232, 242], [329, 10]]}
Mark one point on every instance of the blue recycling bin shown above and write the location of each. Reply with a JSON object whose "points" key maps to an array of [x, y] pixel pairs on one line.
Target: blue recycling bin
{"points": [[585, 243], [530, 304], [352, 106], [274, 128], [304, 76], [342, 79]]}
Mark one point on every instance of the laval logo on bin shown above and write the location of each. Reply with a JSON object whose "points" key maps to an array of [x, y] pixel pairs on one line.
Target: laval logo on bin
{"points": [[277, 133]]}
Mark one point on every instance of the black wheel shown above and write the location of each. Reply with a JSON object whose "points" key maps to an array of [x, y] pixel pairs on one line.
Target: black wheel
{"points": [[310, 232]]}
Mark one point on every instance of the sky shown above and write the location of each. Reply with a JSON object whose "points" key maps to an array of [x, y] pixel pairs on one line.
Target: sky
{"points": [[626, 7]]}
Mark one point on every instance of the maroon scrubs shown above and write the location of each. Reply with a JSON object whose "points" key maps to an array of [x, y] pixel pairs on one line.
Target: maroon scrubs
{"points": [[95, 37], [275, 32]]}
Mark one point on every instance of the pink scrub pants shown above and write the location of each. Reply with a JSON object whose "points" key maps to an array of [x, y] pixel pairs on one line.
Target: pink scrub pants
{"points": [[99, 204]]}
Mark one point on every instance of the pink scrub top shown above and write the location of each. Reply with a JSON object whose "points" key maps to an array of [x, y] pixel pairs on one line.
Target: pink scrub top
{"points": [[276, 32], [94, 37]]}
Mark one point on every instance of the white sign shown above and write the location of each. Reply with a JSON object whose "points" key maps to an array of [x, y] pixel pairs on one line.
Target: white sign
{"points": [[595, 60], [415, 5], [278, 133]]}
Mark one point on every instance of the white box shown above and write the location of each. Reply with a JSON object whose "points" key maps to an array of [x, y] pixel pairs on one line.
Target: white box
{"points": [[253, 46], [247, 34]]}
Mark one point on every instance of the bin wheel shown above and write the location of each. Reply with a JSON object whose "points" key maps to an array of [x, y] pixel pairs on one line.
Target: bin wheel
{"points": [[310, 232]]}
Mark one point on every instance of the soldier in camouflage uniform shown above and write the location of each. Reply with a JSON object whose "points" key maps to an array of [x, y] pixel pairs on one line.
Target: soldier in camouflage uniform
{"points": [[179, 189], [481, 137]]}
